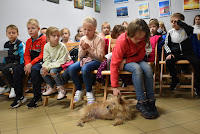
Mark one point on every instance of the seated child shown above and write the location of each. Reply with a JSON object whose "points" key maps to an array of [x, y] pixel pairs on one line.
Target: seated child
{"points": [[162, 27], [15, 57], [105, 29], [32, 64], [91, 53], [65, 34], [178, 47], [43, 30], [55, 54], [80, 33], [196, 24]]}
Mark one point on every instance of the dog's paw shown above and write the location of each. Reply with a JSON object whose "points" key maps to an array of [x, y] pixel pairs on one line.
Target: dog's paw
{"points": [[81, 124], [118, 122]]}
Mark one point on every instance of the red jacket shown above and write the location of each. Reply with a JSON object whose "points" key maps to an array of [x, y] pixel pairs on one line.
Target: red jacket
{"points": [[125, 48], [37, 46]]}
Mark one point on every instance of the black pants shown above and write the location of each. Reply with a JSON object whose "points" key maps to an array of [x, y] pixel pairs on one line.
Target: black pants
{"points": [[191, 58], [36, 79]]}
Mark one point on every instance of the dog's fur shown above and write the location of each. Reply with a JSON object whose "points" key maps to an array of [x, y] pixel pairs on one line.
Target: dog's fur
{"points": [[112, 109]]}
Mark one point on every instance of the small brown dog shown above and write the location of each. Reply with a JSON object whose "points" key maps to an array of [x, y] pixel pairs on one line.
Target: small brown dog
{"points": [[112, 109]]}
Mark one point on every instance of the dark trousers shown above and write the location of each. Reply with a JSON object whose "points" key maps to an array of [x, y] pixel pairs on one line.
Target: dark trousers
{"points": [[36, 79], [191, 58]]}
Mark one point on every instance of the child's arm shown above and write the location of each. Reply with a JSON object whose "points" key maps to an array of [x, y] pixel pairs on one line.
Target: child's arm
{"points": [[82, 51], [21, 50], [168, 52], [188, 29]]}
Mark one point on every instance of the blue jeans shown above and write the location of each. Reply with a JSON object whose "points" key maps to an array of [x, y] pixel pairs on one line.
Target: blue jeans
{"points": [[57, 79], [86, 74], [141, 71]]}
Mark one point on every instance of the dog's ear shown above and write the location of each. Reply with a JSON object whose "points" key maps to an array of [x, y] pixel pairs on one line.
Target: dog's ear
{"points": [[110, 96]]}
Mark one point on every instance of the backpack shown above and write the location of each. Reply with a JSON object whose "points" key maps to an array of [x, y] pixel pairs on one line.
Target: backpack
{"points": [[74, 54]]}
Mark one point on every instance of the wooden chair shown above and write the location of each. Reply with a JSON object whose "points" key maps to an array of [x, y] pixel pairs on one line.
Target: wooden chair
{"points": [[198, 36], [164, 74]]}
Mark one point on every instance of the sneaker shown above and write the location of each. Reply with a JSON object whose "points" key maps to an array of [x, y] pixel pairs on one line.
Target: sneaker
{"points": [[61, 92], [12, 93], [144, 108], [4, 89], [18, 101], [33, 103], [90, 97], [50, 90], [174, 84], [78, 96], [153, 108]]}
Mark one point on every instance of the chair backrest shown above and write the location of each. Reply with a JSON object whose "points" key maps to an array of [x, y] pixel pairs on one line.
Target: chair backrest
{"points": [[73, 50], [112, 43], [72, 45]]}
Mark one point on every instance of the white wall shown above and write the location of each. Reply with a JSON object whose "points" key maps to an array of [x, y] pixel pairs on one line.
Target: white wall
{"points": [[109, 11], [60, 15], [65, 15]]}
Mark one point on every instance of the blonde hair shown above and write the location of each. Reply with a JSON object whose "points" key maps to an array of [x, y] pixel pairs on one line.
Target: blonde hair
{"points": [[51, 30], [64, 30], [138, 25], [105, 23], [12, 27], [91, 20], [162, 23], [33, 22]]}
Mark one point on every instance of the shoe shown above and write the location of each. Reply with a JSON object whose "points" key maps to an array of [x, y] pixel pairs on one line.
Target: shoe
{"points": [[153, 108], [61, 92], [33, 103], [197, 89], [12, 93], [174, 84], [50, 90], [4, 89], [18, 101], [90, 97], [144, 108], [78, 96]]}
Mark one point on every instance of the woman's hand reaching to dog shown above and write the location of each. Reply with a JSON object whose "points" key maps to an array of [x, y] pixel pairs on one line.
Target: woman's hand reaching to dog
{"points": [[116, 92]]}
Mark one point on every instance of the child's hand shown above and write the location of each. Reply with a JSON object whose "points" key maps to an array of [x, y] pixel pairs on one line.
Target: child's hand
{"points": [[123, 62], [169, 57], [85, 46], [44, 71], [27, 69], [116, 92]]}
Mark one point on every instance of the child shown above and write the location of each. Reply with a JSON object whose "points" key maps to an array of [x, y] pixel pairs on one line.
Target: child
{"points": [[154, 26], [43, 31], [15, 57], [178, 47], [196, 24], [128, 55], [91, 53], [80, 33], [162, 27], [125, 24], [105, 29], [117, 31], [55, 54], [65, 33], [32, 64]]}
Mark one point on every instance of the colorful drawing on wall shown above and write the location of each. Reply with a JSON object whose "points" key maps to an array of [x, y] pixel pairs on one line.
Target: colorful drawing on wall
{"points": [[79, 4], [97, 4], [119, 1], [191, 5], [164, 8], [54, 1], [89, 3], [122, 11], [143, 10]]}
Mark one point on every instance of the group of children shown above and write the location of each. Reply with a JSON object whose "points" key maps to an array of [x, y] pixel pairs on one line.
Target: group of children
{"points": [[44, 57]]}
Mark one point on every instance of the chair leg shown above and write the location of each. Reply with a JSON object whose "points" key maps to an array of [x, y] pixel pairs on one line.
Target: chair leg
{"points": [[161, 82], [106, 86], [192, 83], [45, 101], [72, 98]]}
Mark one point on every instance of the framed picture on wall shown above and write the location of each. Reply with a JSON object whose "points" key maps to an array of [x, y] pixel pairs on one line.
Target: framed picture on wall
{"points": [[143, 10], [89, 3], [54, 1], [119, 1], [164, 8], [122, 11], [191, 5], [79, 4], [97, 5]]}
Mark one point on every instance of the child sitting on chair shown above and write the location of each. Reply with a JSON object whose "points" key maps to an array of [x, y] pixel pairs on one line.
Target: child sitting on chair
{"points": [[179, 47], [65, 34], [55, 54], [91, 53]]}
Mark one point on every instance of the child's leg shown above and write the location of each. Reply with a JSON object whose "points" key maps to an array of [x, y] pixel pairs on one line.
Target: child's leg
{"points": [[86, 73], [7, 73], [55, 73], [48, 79]]}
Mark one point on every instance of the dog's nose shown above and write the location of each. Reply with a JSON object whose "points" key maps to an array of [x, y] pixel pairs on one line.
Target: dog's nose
{"points": [[107, 107]]}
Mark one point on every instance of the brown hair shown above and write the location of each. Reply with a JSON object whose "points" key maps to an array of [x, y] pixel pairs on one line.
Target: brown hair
{"points": [[195, 18], [64, 30], [116, 30], [12, 27], [178, 15], [154, 21], [33, 22], [51, 30], [136, 26]]}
